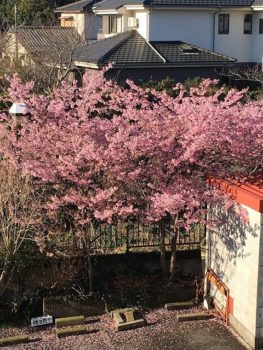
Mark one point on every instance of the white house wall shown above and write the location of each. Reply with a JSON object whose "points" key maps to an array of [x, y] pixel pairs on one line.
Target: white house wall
{"points": [[143, 23], [193, 27], [201, 28], [87, 24], [234, 254], [257, 53], [235, 44], [78, 20]]}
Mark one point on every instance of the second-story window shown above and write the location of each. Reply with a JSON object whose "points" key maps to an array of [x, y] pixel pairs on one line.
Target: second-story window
{"points": [[248, 24], [223, 23], [114, 24], [260, 26]]}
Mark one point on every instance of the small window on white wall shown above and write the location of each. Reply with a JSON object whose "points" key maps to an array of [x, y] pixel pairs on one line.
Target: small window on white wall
{"points": [[260, 26], [248, 24], [223, 23]]}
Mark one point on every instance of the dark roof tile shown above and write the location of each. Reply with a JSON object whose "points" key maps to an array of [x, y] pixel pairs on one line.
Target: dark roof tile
{"points": [[115, 4], [181, 53], [96, 51], [79, 6], [198, 3], [131, 49], [48, 42], [258, 3]]}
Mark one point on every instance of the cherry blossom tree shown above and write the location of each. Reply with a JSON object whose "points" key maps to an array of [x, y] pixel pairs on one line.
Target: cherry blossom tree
{"points": [[111, 153], [19, 218]]}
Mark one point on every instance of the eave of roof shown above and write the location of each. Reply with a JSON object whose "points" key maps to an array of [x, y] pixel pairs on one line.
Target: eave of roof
{"points": [[76, 7], [107, 5], [249, 193]]}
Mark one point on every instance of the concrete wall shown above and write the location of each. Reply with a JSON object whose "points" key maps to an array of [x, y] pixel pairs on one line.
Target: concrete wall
{"points": [[235, 254]]}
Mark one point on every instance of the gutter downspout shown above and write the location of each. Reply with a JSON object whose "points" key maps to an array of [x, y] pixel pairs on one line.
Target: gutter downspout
{"points": [[214, 28]]}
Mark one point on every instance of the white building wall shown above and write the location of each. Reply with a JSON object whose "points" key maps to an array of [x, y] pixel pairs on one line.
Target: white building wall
{"points": [[87, 25], [259, 330], [257, 51], [143, 23], [190, 26], [235, 44], [234, 253], [125, 16], [78, 20]]}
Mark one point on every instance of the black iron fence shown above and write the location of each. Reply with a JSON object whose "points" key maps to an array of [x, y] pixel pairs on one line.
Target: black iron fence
{"points": [[137, 235]]}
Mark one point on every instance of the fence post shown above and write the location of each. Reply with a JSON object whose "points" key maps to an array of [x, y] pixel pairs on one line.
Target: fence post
{"points": [[127, 239]]}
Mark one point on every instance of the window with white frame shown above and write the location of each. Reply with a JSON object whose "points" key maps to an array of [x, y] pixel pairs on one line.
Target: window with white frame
{"points": [[223, 23], [248, 19]]}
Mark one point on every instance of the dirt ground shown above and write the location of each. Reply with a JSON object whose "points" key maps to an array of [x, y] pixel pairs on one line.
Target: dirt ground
{"points": [[162, 332]]}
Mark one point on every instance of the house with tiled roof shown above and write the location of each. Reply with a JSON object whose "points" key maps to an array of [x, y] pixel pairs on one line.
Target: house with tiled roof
{"points": [[50, 45], [80, 16], [153, 39], [232, 28], [133, 57]]}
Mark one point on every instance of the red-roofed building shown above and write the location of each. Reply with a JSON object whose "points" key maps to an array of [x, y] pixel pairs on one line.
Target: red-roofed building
{"points": [[235, 257]]}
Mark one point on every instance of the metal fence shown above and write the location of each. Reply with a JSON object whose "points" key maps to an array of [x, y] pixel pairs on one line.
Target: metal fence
{"points": [[138, 235]]}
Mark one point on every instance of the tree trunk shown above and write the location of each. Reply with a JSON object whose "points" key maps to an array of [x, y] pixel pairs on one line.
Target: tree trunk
{"points": [[173, 257], [6, 275], [90, 272], [87, 256], [162, 247]]}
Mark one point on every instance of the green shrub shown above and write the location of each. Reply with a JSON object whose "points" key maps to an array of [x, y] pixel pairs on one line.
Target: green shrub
{"points": [[71, 331], [69, 321], [14, 340]]}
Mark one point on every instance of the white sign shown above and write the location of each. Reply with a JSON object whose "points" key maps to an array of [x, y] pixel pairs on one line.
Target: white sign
{"points": [[41, 321]]}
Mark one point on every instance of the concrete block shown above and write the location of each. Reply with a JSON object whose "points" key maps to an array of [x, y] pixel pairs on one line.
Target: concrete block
{"points": [[19, 339], [179, 306], [118, 318], [129, 316], [130, 325], [69, 321], [65, 332], [197, 316]]}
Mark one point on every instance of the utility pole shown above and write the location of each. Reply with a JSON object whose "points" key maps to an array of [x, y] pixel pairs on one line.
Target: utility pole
{"points": [[16, 39]]}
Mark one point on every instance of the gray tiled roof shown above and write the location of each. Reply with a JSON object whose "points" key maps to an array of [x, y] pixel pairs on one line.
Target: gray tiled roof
{"points": [[130, 49], [95, 52], [182, 53], [199, 3], [79, 6], [258, 3], [115, 4], [48, 41]]}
